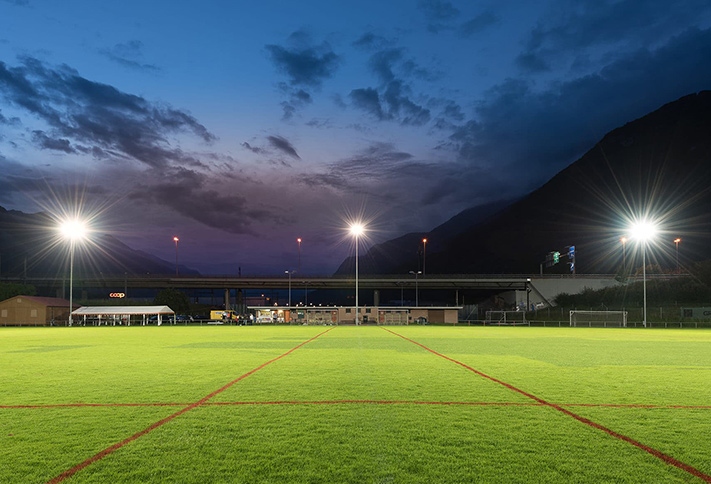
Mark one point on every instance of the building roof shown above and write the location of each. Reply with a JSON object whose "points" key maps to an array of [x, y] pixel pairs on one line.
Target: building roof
{"points": [[52, 302], [122, 310]]}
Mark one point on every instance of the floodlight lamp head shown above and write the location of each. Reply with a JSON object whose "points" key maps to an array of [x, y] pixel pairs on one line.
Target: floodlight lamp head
{"points": [[73, 230], [176, 239], [643, 230], [357, 229]]}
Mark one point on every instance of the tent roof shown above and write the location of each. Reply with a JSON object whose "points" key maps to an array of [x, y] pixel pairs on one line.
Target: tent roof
{"points": [[122, 310]]}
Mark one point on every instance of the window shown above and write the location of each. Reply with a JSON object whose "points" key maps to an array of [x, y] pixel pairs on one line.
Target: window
{"points": [[3, 314], [33, 313], [367, 311], [348, 310]]}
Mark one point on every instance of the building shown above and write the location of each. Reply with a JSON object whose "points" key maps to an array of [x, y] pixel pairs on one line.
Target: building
{"points": [[382, 315], [34, 311]]}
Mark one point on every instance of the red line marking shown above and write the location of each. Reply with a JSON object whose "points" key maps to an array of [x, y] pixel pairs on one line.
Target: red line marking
{"points": [[70, 472], [656, 453], [298, 402]]}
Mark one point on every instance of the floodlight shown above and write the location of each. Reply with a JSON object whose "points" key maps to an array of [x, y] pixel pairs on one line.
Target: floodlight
{"points": [[73, 229], [643, 230]]}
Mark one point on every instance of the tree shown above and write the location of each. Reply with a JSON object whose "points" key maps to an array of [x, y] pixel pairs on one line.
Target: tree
{"points": [[176, 300], [11, 289]]}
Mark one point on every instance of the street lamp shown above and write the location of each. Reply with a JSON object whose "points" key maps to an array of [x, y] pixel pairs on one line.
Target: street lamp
{"points": [[356, 230], [424, 256], [417, 290], [644, 231], [290, 273], [676, 242], [73, 230], [624, 253], [299, 242], [176, 239]]}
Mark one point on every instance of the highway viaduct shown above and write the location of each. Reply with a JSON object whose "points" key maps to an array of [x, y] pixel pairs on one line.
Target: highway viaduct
{"points": [[517, 289]]}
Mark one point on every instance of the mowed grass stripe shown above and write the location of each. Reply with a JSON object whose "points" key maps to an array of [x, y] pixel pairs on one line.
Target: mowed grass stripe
{"points": [[365, 363], [131, 364], [586, 366], [366, 444], [656, 453], [72, 471]]}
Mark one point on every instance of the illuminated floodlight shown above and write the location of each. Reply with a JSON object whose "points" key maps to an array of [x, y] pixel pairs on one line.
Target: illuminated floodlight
{"points": [[73, 229], [357, 229], [643, 231]]}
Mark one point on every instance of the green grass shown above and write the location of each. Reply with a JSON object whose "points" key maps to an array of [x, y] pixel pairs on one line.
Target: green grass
{"points": [[358, 440]]}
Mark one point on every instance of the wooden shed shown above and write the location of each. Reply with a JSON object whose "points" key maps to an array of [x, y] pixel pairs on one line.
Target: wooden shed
{"points": [[34, 311]]}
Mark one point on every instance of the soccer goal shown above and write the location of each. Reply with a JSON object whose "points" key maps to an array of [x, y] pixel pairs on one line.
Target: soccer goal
{"points": [[598, 318], [512, 318]]}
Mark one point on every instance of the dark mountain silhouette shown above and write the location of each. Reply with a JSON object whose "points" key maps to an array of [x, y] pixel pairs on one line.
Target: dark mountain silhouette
{"points": [[31, 245], [658, 167], [405, 253]]}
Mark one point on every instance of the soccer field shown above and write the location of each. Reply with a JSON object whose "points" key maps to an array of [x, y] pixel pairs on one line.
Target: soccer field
{"points": [[365, 404]]}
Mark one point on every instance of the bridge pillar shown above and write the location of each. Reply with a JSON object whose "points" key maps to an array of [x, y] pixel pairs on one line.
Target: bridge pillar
{"points": [[227, 299], [376, 298]]}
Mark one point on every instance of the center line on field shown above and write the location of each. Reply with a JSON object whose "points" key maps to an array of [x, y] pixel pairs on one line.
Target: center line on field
{"points": [[656, 453], [318, 402], [70, 472]]}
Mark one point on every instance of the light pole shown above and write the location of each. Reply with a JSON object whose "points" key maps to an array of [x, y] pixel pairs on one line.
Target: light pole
{"points": [[424, 256], [644, 231], [290, 273], [356, 230], [73, 230], [176, 239], [299, 242], [624, 253], [676, 242], [417, 289]]}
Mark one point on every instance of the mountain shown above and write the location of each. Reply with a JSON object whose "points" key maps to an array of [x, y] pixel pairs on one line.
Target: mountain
{"points": [[30, 243], [658, 167], [404, 253]]}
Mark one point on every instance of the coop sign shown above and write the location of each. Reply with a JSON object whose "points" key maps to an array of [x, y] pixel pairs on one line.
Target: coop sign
{"points": [[117, 294]]}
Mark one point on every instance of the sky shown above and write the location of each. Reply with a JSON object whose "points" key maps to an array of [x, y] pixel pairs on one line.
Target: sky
{"points": [[241, 126]]}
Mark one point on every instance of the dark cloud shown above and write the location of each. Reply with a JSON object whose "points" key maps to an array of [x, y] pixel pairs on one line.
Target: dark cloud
{"points": [[479, 23], [440, 14], [401, 107], [368, 100], [46, 143], [521, 128], [618, 26], [99, 115], [193, 195], [370, 41], [129, 55], [253, 149], [305, 67], [283, 145]]}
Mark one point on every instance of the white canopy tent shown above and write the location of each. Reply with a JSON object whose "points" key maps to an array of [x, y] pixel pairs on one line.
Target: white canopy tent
{"points": [[123, 314]]}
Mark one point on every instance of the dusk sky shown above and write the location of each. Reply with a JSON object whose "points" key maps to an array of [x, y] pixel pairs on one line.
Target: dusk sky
{"points": [[240, 126]]}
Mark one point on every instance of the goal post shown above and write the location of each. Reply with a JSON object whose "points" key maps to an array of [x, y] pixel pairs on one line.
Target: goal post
{"points": [[512, 318], [598, 318]]}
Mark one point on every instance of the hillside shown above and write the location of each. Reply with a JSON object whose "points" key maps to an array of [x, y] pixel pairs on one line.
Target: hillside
{"points": [[659, 165], [30, 242]]}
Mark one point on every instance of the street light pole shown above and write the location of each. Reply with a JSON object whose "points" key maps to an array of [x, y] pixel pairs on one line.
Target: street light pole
{"points": [[299, 242], [356, 230], [424, 256], [176, 239], [644, 280], [644, 231], [624, 253], [290, 273], [417, 289], [676, 242], [73, 230]]}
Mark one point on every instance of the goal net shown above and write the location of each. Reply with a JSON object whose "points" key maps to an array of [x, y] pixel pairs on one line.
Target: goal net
{"points": [[598, 318], [513, 318]]}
